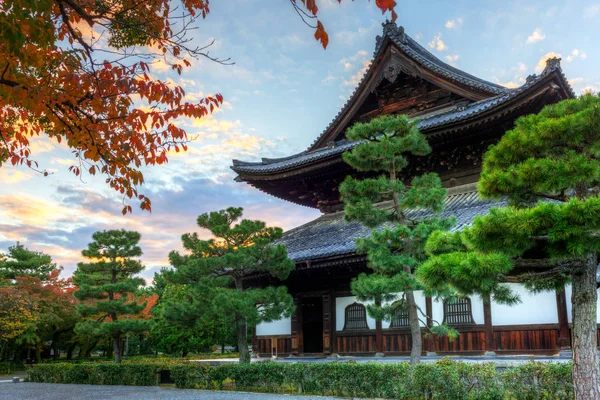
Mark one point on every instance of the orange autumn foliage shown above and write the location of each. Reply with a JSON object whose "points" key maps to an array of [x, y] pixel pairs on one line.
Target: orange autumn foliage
{"points": [[79, 73], [320, 32]]}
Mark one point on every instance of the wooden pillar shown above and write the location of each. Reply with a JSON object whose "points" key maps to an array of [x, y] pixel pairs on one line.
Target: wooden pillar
{"points": [[326, 323], [297, 327], [333, 322], [378, 333], [430, 340], [563, 341], [255, 349], [490, 344]]}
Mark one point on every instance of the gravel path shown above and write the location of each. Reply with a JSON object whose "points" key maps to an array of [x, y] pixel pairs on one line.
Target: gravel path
{"points": [[49, 391]]}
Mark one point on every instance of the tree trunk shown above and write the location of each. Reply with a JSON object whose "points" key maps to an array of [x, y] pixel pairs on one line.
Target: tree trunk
{"points": [[378, 332], [415, 328], [70, 351], [242, 329], [585, 350], [242, 338], [38, 353], [55, 348], [117, 347], [487, 320]]}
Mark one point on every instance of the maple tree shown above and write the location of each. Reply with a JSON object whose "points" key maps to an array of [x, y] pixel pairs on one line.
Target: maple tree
{"points": [[79, 72], [321, 34], [37, 304], [17, 315], [54, 309]]}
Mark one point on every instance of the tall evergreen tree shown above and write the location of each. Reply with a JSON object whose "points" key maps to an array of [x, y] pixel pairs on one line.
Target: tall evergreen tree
{"points": [[396, 247], [552, 156], [20, 261], [215, 270], [107, 281]]}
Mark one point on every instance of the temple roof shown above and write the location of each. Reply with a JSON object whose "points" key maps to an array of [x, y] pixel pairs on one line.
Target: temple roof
{"points": [[330, 235], [426, 122], [395, 35], [460, 114]]}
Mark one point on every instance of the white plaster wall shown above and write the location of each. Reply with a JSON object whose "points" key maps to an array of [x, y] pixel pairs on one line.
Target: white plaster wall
{"points": [[280, 327], [342, 302], [340, 305], [476, 309], [568, 292], [535, 308]]}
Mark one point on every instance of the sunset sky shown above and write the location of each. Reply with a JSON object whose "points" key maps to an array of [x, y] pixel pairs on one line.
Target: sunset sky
{"points": [[281, 93]]}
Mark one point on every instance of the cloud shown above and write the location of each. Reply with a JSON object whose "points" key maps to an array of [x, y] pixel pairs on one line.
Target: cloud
{"points": [[452, 59], [509, 84], [358, 57], [536, 36], [454, 23], [576, 81], [350, 37], [522, 67], [356, 78], [542, 62], [62, 225], [575, 54], [329, 78], [437, 43], [580, 85], [12, 175], [591, 11]]}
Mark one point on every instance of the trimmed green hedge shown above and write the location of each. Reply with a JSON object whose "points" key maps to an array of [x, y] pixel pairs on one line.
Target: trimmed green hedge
{"points": [[8, 367], [444, 379], [95, 374]]}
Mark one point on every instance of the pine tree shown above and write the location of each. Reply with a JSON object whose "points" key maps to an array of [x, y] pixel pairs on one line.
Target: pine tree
{"points": [[20, 261], [215, 270], [554, 157], [108, 281], [396, 247]]}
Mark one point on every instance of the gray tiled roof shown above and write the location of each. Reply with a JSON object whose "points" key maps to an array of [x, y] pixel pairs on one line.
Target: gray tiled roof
{"points": [[330, 235], [424, 57], [499, 96], [268, 165]]}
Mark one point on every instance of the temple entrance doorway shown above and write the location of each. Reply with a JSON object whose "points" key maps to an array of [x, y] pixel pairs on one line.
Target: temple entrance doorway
{"points": [[312, 324]]}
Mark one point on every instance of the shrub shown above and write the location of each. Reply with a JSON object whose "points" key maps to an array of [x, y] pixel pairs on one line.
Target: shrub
{"points": [[95, 374], [8, 367], [444, 379]]}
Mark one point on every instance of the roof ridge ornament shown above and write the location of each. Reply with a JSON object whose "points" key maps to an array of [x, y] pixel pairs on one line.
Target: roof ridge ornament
{"points": [[552, 64], [393, 31]]}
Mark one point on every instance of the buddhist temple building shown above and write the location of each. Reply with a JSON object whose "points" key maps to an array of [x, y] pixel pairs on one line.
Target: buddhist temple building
{"points": [[461, 115]]}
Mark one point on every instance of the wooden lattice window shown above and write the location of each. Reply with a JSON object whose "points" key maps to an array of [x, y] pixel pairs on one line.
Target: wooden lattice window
{"points": [[356, 317], [458, 312], [400, 318]]}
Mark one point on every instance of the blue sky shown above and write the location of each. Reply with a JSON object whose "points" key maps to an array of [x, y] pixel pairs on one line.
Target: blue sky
{"points": [[283, 90]]}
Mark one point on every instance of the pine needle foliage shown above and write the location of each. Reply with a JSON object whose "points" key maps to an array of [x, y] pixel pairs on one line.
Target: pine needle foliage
{"points": [[107, 286], [20, 261], [548, 167], [395, 249], [215, 269]]}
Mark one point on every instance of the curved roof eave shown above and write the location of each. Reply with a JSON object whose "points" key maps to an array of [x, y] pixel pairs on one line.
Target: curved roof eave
{"points": [[436, 121]]}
